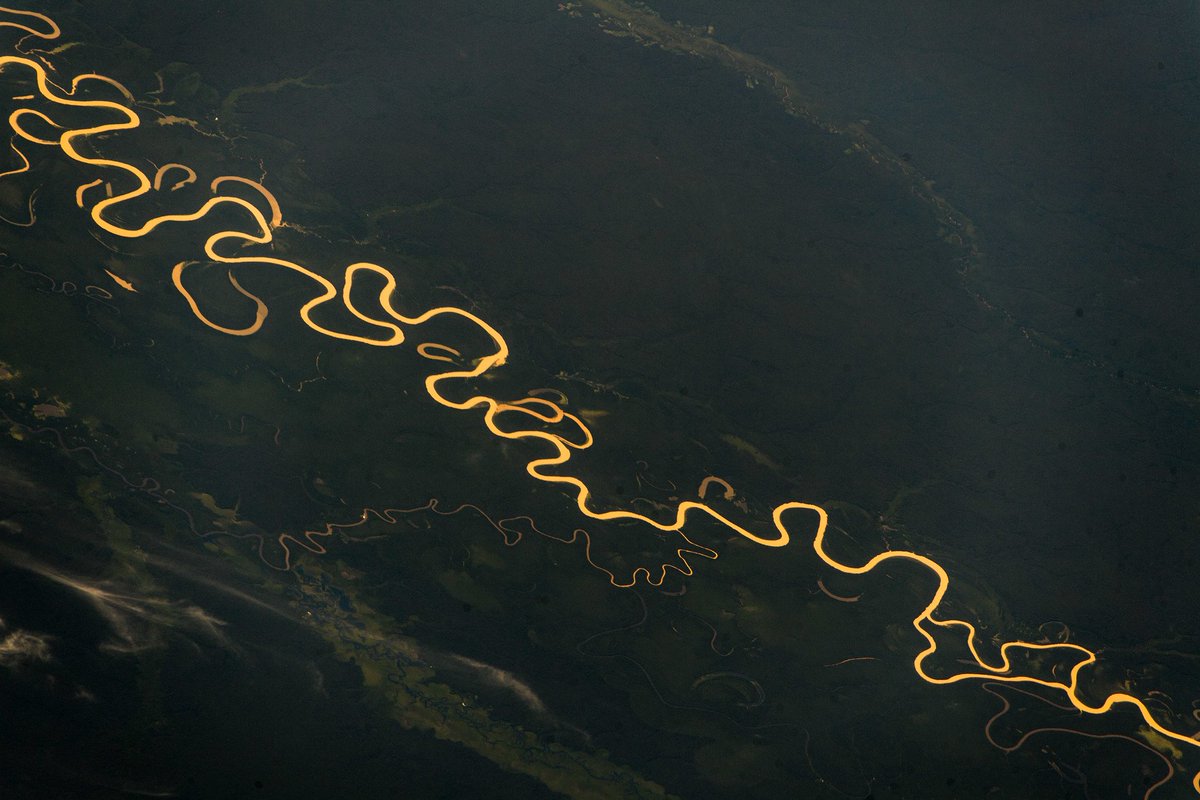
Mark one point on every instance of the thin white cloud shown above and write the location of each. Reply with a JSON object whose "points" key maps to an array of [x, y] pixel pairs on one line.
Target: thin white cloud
{"points": [[22, 647], [137, 620]]}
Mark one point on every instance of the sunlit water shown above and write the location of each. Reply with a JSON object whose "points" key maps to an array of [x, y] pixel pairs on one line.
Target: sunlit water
{"points": [[270, 550]]}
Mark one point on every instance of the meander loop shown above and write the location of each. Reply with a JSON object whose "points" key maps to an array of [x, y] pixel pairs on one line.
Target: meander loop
{"points": [[390, 331]]}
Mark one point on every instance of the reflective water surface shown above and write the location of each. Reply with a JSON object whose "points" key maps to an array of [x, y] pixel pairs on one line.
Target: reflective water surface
{"points": [[598, 400]]}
